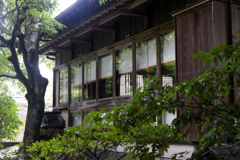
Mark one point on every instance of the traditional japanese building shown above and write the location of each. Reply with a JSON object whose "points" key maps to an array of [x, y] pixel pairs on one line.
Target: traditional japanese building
{"points": [[108, 51]]}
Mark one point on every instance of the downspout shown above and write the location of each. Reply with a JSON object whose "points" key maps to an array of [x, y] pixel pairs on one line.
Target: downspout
{"points": [[50, 58]]}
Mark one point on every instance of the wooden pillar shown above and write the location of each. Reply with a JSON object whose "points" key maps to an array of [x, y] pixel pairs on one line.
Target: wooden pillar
{"points": [[97, 79], [114, 74], [82, 63], [134, 66]]}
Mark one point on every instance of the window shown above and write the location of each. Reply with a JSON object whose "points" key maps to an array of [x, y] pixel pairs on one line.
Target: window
{"points": [[85, 113], [63, 86], [168, 64], [90, 80], [105, 76], [168, 67], [76, 83], [124, 72], [76, 119], [168, 118], [145, 61]]}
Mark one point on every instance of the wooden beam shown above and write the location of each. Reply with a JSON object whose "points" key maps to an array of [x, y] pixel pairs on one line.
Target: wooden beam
{"points": [[79, 40], [61, 48], [83, 31], [91, 28], [63, 42], [102, 28], [136, 4], [133, 13]]}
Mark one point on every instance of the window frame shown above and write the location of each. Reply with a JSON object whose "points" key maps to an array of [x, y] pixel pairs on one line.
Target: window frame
{"points": [[112, 48], [56, 90], [98, 76], [155, 66], [71, 65]]}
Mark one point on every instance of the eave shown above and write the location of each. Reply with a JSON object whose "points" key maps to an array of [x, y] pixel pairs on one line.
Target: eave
{"points": [[95, 22]]}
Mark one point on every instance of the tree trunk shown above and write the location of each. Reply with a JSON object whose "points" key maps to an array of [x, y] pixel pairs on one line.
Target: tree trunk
{"points": [[36, 104]]}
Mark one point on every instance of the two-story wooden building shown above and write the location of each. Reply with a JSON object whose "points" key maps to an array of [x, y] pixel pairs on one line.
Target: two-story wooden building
{"points": [[108, 51]]}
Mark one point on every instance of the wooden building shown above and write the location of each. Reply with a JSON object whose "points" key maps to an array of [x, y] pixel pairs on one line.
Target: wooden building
{"points": [[108, 51]]}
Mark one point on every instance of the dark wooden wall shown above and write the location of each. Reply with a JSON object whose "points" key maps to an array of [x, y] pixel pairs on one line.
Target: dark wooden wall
{"points": [[235, 12], [201, 29]]}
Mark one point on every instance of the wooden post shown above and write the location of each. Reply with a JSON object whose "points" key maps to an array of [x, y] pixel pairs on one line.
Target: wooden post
{"points": [[134, 66]]}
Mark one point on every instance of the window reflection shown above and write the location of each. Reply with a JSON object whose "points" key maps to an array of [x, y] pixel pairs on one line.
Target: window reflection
{"points": [[168, 118], [145, 61], [63, 85], [90, 80], [105, 76], [76, 83], [168, 64], [124, 71], [76, 119], [85, 113], [168, 67]]}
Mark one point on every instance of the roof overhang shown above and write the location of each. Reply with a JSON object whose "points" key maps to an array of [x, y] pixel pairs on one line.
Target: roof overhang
{"points": [[96, 22]]}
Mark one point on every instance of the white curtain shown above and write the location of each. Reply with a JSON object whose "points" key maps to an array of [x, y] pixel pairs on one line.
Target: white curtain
{"points": [[105, 64], [89, 71]]}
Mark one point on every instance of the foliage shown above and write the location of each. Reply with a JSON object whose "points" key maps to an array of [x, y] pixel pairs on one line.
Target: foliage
{"points": [[25, 25], [13, 155], [94, 140], [9, 121], [205, 101]]}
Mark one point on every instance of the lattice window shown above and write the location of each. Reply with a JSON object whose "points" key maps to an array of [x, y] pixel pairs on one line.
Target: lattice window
{"points": [[130, 26], [101, 39], [161, 12], [80, 49]]}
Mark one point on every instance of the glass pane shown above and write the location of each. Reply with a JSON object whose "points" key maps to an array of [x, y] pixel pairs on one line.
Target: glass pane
{"points": [[124, 72], [63, 85], [105, 76], [168, 65], [105, 64], [85, 115], [152, 52], [144, 76], [145, 61], [76, 119], [124, 60], [168, 118], [90, 80], [124, 85], [76, 83], [90, 71], [141, 55]]}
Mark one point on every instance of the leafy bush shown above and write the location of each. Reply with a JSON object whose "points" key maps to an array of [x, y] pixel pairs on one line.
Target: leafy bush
{"points": [[9, 121], [88, 141], [205, 101]]}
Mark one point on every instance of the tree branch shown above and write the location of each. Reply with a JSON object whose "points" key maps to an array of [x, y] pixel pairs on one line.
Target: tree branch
{"points": [[14, 58], [9, 76], [4, 29], [9, 12], [2, 38], [3, 45]]}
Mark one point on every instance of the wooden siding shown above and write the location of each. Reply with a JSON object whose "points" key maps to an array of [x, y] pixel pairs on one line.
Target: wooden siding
{"points": [[80, 49], [161, 12], [101, 39], [235, 15], [202, 30], [129, 26]]}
